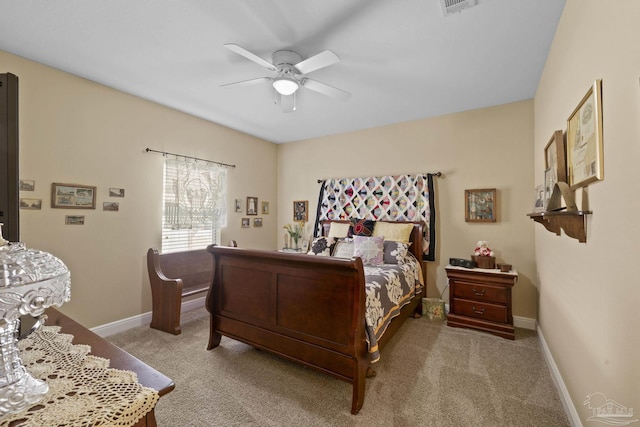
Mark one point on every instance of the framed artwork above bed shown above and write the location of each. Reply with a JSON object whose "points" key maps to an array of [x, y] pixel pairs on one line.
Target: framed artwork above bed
{"points": [[301, 211]]}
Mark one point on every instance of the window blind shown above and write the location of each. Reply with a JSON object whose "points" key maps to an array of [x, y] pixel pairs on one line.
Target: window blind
{"points": [[194, 204]]}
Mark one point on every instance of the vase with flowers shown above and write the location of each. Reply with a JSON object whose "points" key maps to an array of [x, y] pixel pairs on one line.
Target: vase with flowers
{"points": [[295, 233]]}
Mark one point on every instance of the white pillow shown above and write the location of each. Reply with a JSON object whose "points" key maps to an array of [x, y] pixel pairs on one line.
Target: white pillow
{"points": [[343, 249], [339, 229]]}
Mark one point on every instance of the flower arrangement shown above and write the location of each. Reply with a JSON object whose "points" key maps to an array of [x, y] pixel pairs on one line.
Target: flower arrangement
{"points": [[295, 231], [482, 249]]}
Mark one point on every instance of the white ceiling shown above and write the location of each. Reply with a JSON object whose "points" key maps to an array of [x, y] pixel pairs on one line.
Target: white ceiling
{"points": [[400, 59]]}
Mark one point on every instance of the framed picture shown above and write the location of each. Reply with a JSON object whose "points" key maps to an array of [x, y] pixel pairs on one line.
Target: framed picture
{"points": [[257, 222], [74, 220], [252, 206], [30, 203], [73, 196], [27, 185], [554, 157], [265, 208], [111, 206], [549, 183], [116, 192], [300, 208], [238, 205], [585, 161], [479, 205], [538, 204], [246, 222]]}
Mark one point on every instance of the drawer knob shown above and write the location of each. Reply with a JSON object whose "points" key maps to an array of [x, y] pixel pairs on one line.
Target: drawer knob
{"points": [[478, 311], [477, 292]]}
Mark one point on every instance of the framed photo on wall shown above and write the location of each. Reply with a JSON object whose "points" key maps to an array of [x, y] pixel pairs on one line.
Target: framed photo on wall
{"points": [[252, 206], [73, 196], [585, 151], [479, 205], [300, 208], [265, 208]]}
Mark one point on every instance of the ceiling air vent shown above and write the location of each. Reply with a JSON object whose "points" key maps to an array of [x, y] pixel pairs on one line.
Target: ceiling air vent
{"points": [[452, 6]]}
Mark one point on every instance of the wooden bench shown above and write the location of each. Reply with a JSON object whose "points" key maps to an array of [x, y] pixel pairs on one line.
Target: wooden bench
{"points": [[174, 276]]}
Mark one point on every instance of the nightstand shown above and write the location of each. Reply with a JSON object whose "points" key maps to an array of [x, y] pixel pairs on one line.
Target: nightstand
{"points": [[480, 298]]}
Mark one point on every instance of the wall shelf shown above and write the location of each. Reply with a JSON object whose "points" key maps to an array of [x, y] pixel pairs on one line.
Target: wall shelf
{"points": [[574, 223]]}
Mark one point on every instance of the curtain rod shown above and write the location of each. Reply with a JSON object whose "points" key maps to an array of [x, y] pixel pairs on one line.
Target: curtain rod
{"points": [[189, 157], [438, 174]]}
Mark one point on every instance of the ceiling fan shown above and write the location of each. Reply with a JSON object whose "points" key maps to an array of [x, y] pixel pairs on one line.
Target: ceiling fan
{"points": [[291, 71]]}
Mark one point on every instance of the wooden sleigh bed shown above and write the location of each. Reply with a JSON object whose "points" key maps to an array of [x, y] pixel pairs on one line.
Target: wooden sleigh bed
{"points": [[308, 309]]}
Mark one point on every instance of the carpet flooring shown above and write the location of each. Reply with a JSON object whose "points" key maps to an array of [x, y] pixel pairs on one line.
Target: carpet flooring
{"points": [[429, 375]]}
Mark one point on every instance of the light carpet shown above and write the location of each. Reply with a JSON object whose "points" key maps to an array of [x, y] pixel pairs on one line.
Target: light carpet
{"points": [[428, 375]]}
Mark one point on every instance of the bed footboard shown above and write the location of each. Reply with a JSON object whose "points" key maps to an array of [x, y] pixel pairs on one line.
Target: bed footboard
{"points": [[307, 309]]}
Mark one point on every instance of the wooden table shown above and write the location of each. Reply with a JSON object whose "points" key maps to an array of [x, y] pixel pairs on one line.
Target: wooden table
{"points": [[119, 359]]}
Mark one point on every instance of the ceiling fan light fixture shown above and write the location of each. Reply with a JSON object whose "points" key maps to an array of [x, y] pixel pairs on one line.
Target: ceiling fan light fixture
{"points": [[285, 85]]}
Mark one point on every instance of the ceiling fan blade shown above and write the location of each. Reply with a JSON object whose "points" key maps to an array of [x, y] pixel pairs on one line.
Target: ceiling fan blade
{"points": [[321, 60], [325, 89], [251, 56], [288, 103], [248, 82]]}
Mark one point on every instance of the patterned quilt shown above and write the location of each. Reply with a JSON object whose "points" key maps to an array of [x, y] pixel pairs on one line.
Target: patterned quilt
{"points": [[389, 287]]}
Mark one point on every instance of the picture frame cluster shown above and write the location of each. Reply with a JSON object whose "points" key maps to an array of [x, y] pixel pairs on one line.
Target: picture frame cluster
{"points": [[575, 157], [251, 207], [70, 196]]}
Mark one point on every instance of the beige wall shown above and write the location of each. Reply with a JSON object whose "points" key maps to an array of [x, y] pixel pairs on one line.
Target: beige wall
{"points": [[76, 131], [589, 294], [487, 148]]}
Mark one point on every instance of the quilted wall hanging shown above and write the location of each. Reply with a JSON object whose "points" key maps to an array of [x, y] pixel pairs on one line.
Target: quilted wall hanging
{"points": [[385, 198]]}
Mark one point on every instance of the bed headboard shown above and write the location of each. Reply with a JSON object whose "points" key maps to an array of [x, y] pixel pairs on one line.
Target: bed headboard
{"points": [[415, 238]]}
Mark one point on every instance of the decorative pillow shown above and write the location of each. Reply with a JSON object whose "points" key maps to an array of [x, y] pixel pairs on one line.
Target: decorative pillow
{"points": [[339, 229], [344, 249], [370, 249], [395, 252], [322, 246], [396, 232], [362, 227]]}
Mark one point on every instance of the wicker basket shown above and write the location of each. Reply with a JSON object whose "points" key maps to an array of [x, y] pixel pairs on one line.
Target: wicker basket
{"points": [[484, 261]]}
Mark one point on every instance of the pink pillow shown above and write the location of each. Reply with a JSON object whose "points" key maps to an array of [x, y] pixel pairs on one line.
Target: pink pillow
{"points": [[369, 249]]}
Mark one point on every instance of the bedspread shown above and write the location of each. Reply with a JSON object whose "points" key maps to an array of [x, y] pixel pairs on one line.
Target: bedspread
{"points": [[389, 287]]}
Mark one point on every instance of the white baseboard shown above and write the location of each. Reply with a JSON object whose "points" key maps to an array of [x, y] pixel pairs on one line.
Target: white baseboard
{"points": [[569, 408], [525, 323], [141, 319]]}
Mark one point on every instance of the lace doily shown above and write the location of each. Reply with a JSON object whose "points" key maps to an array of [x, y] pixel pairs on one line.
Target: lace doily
{"points": [[83, 390]]}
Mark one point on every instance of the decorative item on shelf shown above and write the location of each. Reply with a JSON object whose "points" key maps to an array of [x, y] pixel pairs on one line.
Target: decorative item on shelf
{"points": [[585, 161], [483, 255], [295, 234], [30, 282], [505, 268], [562, 191]]}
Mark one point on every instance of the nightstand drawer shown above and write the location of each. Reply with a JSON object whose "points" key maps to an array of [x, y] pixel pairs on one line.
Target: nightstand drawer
{"points": [[476, 292], [480, 310]]}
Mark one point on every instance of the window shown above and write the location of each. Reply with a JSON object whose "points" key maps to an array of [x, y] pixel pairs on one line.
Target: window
{"points": [[194, 204]]}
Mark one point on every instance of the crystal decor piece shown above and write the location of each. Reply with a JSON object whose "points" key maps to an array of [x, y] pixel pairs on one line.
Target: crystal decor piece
{"points": [[30, 281]]}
